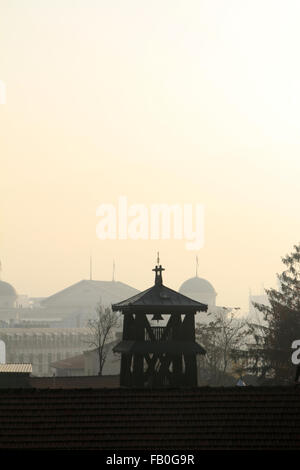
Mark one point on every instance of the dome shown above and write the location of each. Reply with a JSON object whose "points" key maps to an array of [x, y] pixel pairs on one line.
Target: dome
{"points": [[199, 289], [8, 294], [197, 284], [7, 290]]}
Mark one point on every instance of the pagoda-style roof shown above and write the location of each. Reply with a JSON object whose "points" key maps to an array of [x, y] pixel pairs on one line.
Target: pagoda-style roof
{"points": [[159, 298]]}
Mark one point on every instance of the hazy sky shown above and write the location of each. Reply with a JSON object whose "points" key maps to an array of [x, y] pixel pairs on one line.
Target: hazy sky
{"points": [[163, 101]]}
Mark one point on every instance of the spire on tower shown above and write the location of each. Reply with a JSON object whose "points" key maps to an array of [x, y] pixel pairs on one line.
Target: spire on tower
{"points": [[158, 272]]}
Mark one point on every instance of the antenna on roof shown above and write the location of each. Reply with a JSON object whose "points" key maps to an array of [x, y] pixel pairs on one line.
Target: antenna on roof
{"points": [[114, 271], [197, 264], [91, 268]]}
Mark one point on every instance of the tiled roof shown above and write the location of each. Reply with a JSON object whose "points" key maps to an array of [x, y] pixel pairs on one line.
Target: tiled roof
{"points": [[194, 419], [13, 368], [85, 382]]}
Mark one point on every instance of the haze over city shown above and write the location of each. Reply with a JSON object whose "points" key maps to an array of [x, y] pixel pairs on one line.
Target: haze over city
{"points": [[163, 102]]}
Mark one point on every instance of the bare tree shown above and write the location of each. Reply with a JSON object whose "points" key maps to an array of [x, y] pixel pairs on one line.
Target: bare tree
{"points": [[221, 337], [102, 328]]}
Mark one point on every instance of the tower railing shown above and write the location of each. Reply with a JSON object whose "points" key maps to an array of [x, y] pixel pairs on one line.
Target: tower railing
{"points": [[158, 332]]}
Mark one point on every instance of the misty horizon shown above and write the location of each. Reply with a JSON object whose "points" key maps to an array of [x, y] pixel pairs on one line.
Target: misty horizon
{"points": [[184, 106]]}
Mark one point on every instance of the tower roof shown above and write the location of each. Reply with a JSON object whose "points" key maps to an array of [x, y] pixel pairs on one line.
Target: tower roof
{"points": [[159, 298]]}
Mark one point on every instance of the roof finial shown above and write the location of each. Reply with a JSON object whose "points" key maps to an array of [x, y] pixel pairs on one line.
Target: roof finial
{"points": [[158, 272], [197, 264]]}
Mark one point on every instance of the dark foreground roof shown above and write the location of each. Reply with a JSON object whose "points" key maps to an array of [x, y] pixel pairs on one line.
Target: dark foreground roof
{"points": [[216, 418], [89, 381]]}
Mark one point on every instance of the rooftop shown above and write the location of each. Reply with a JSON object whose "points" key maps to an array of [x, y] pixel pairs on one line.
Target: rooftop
{"points": [[177, 419], [82, 382], [75, 362], [159, 298], [90, 292], [16, 368]]}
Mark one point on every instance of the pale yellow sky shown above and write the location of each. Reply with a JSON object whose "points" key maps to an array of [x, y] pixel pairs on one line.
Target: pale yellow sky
{"points": [[164, 102]]}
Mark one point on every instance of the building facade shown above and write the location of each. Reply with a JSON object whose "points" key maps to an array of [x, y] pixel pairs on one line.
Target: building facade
{"points": [[43, 346]]}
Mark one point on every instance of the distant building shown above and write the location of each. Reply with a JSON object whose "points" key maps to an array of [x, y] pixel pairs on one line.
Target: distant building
{"points": [[42, 346], [201, 290], [87, 364], [43, 331], [8, 296], [112, 363], [76, 304], [70, 367], [2, 352], [71, 307], [23, 301]]}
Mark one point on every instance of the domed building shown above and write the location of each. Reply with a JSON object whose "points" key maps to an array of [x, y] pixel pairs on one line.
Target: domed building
{"points": [[199, 289], [8, 295]]}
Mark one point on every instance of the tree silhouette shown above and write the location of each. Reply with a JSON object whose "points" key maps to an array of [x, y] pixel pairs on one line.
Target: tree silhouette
{"points": [[102, 328], [273, 353]]}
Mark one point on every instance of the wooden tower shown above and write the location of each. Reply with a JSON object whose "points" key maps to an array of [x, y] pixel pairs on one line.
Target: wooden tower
{"points": [[158, 356]]}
